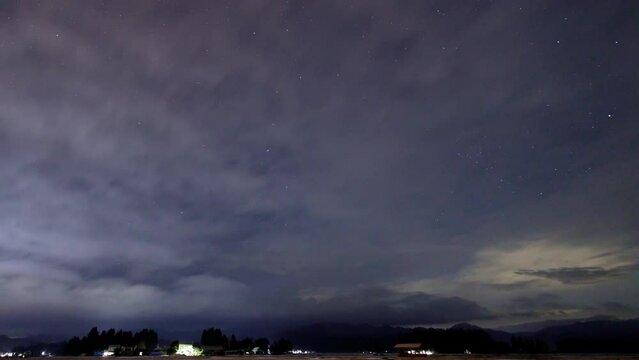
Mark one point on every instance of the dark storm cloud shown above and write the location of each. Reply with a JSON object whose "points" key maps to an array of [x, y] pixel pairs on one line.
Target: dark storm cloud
{"points": [[381, 306], [580, 275], [615, 307], [543, 305], [241, 161], [552, 306]]}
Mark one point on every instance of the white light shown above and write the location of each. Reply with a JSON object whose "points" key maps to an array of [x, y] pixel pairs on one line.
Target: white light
{"points": [[300, 352], [188, 350]]}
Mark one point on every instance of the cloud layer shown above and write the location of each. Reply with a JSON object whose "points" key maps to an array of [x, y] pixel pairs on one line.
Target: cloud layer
{"points": [[374, 162]]}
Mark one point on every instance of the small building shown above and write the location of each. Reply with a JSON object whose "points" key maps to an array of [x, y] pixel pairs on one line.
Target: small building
{"points": [[188, 350], [114, 348], [411, 349], [111, 350], [157, 352]]}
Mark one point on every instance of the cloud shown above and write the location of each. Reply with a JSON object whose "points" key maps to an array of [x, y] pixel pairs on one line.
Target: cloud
{"points": [[547, 259], [384, 306], [617, 308], [266, 160], [543, 306], [580, 275], [61, 294]]}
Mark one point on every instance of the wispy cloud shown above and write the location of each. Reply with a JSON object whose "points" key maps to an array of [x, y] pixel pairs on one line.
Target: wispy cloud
{"points": [[580, 275]]}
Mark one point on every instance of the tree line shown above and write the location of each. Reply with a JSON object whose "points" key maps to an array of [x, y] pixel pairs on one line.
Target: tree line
{"points": [[214, 342], [130, 343], [127, 343]]}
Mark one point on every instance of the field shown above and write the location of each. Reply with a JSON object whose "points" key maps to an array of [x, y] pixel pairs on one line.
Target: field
{"points": [[391, 357]]}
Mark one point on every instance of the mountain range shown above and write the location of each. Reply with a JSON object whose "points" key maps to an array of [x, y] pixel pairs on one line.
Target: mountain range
{"points": [[600, 334], [597, 334]]}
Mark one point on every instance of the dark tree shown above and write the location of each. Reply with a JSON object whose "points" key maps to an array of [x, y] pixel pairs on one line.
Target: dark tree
{"points": [[281, 346], [246, 344], [233, 344], [173, 348], [214, 337], [262, 343], [95, 341], [146, 339], [72, 347]]}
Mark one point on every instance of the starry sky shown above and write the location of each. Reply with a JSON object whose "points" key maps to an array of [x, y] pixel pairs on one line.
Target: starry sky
{"points": [[261, 164]]}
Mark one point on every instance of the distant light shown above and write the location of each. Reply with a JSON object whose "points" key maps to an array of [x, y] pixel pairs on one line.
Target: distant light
{"points": [[188, 350], [300, 352], [421, 352]]}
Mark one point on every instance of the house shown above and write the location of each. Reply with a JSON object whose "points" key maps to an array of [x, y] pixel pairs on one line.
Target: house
{"points": [[188, 350], [109, 351], [157, 352], [411, 349]]}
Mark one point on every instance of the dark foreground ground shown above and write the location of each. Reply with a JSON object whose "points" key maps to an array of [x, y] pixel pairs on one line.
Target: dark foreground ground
{"points": [[387, 357]]}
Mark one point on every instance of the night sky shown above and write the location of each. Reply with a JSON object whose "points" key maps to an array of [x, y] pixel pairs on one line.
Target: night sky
{"points": [[259, 164]]}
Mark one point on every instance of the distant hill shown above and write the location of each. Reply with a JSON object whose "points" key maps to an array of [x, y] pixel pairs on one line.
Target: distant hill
{"points": [[539, 325], [497, 335], [603, 336], [599, 334], [7, 343], [594, 335], [339, 337]]}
